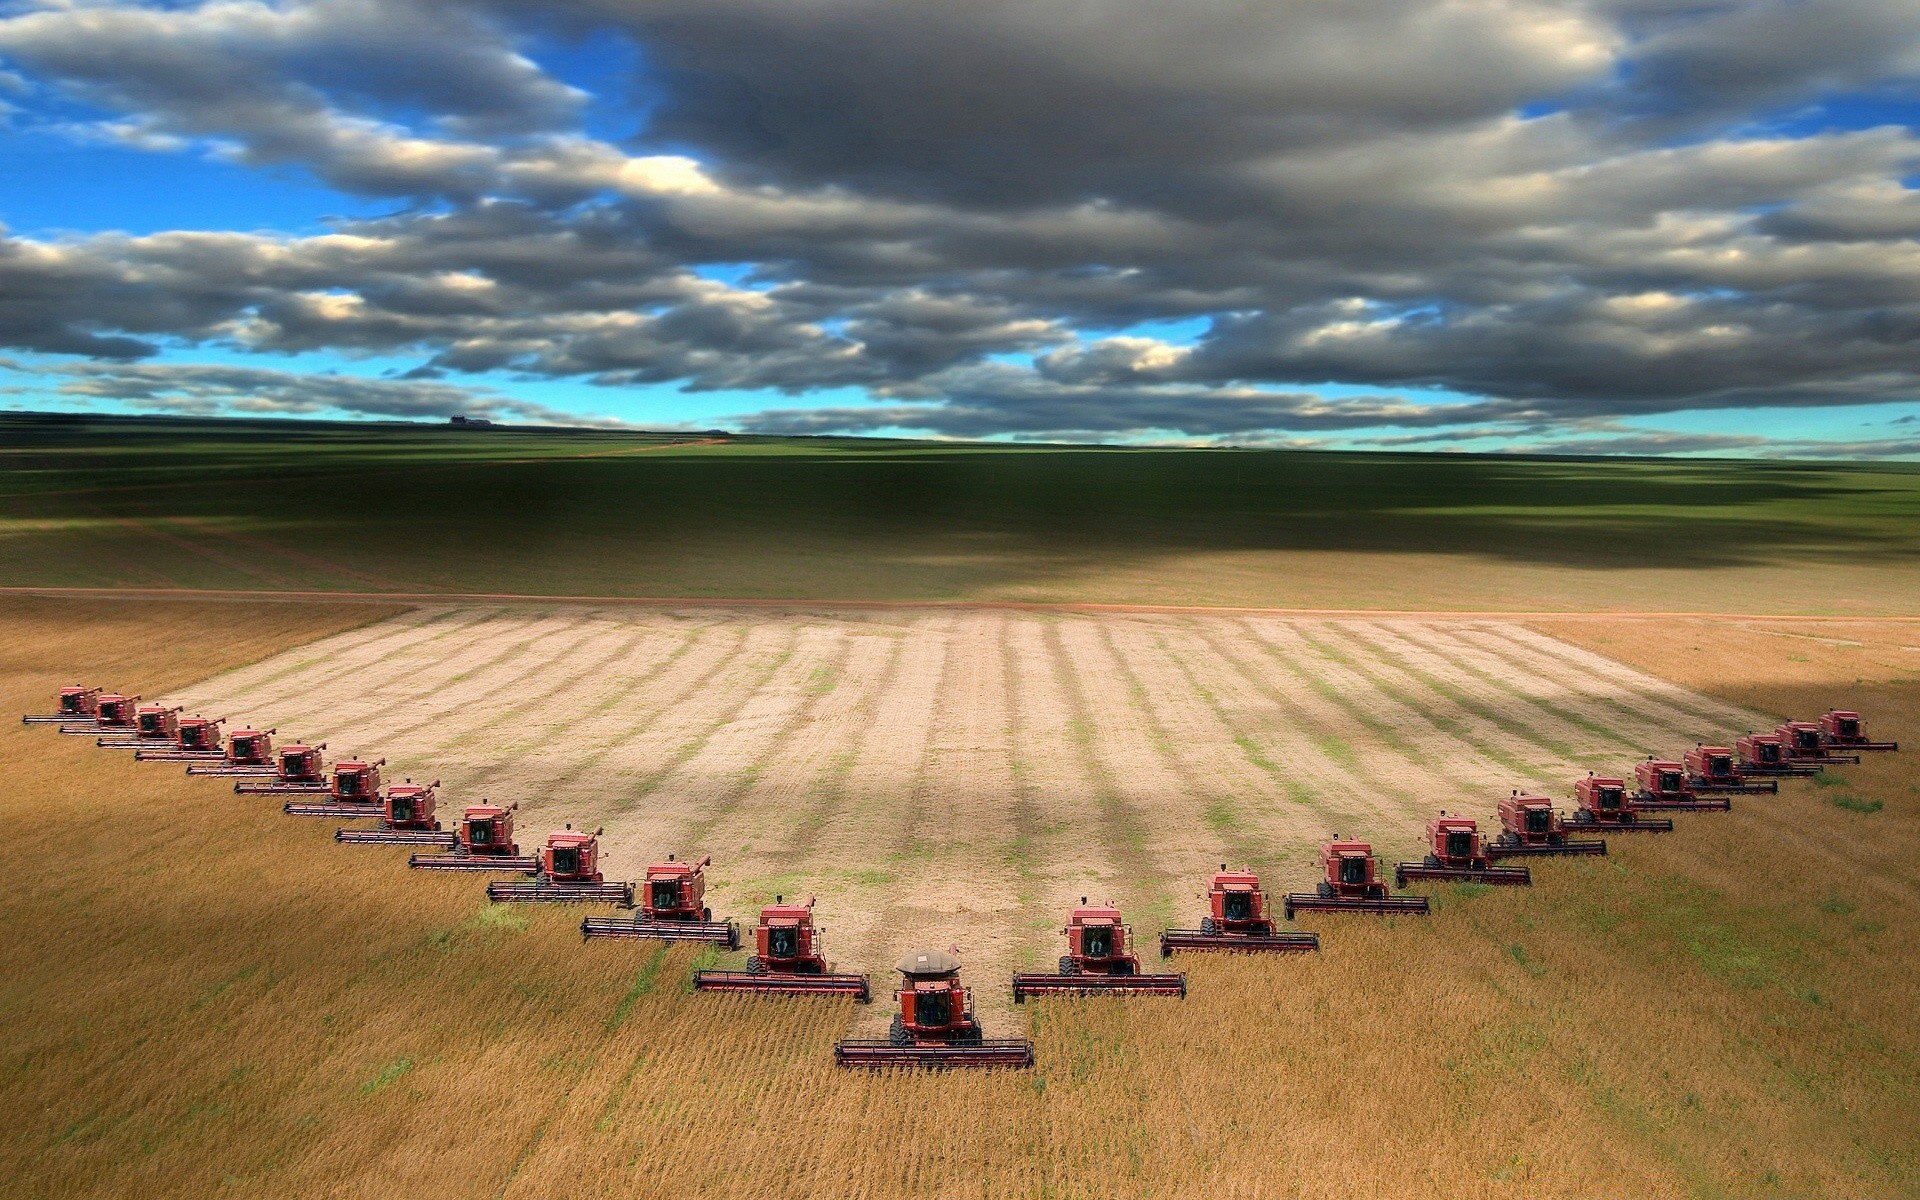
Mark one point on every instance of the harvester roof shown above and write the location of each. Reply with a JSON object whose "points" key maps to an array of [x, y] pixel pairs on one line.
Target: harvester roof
{"points": [[1348, 849], [928, 964], [1844, 714], [569, 837], [484, 812], [1094, 914], [787, 912]]}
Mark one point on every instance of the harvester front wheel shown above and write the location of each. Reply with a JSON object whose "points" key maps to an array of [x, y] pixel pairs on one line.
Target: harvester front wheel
{"points": [[706, 914], [1067, 965], [1325, 889], [1433, 860], [897, 1032], [756, 965], [1207, 925]]}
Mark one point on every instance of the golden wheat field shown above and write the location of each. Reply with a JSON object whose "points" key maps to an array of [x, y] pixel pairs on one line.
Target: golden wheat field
{"points": [[205, 998]]}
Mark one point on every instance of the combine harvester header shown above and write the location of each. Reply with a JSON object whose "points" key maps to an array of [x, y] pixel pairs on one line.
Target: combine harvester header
{"points": [[1350, 884], [1237, 919], [673, 907], [1099, 961], [569, 874], [788, 959], [935, 1026], [1456, 852], [1530, 827], [1842, 729]]}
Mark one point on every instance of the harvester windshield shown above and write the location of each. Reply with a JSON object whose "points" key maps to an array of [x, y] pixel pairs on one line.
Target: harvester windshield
{"points": [[783, 941], [150, 722], [934, 1008], [1539, 820], [1768, 752], [1720, 764], [1353, 869], [352, 783], [1669, 781], [1237, 906], [666, 893], [1610, 798], [403, 808], [1459, 843], [1849, 727], [1806, 739], [566, 860], [480, 833]]}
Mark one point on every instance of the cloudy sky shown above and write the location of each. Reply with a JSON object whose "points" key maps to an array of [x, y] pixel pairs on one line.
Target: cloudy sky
{"points": [[1599, 226]]}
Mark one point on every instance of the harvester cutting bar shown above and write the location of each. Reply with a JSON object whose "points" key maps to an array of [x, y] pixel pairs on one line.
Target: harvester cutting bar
{"points": [[783, 985], [1864, 746], [1545, 849], [326, 808], [1497, 876], [725, 933], [990, 1052], [1200, 939], [50, 719], [1035, 984], [1695, 804], [1827, 758], [134, 743], [1385, 905], [223, 771], [545, 891], [1639, 825], [396, 837], [93, 729], [176, 755], [279, 789], [1746, 787], [525, 864]]}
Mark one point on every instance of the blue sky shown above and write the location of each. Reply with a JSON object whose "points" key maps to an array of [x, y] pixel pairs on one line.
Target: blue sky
{"points": [[1589, 228]]}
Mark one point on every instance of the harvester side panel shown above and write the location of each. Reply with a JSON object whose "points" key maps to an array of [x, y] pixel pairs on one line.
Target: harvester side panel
{"points": [[1037, 984], [989, 1052], [784, 985], [724, 933]]}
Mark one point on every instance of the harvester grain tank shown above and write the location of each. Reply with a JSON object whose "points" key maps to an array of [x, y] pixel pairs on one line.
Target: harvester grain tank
{"points": [[1237, 919], [1714, 769], [196, 739], [406, 819], [483, 841], [788, 959], [1350, 883], [569, 874], [113, 715], [673, 907], [1601, 802], [1530, 827], [73, 705], [935, 1026], [1663, 787], [1842, 729], [1767, 754], [249, 755], [1099, 961], [297, 768], [154, 726], [1806, 746], [352, 790], [1457, 853]]}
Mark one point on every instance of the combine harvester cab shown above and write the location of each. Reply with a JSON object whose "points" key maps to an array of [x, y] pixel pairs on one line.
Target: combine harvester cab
{"points": [[249, 755], [1663, 787], [197, 739], [569, 873], [1714, 769], [1456, 852], [788, 959], [1767, 754], [935, 1025], [1237, 919], [1351, 884], [72, 706], [1843, 730], [1602, 803], [406, 819], [1099, 961], [155, 726], [482, 842], [673, 907], [297, 768], [1806, 747], [353, 792], [1529, 827], [113, 716]]}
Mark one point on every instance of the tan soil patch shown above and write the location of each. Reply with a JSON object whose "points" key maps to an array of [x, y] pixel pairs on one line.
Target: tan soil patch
{"points": [[961, 777]]}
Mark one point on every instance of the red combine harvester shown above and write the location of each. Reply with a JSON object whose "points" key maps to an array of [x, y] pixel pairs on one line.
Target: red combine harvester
{"points": [[1804, 743], [1237, 919], [154, 725], [296, 768], [1603, 803], [74, 705], [673, 908], [787, 960], [1663, 787], [196, 740], [1351, 885], [1767, 754], [406, 819], [112, 714], [935, 1025], [249, 755], [569, 873], [1099, 961], [1843, 730], [483, 842], [1713, 769], [352, 792], [1530, 827], [1457, 852]]}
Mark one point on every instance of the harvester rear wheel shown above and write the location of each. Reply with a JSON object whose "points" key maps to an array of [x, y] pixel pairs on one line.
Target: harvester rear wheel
{"points": [[756, 965]]}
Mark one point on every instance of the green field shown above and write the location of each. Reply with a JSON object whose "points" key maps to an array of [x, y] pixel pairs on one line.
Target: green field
{"points": [[281, 505]]}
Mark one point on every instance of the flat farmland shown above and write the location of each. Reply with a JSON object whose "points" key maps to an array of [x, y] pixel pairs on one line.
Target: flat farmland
{"points": [[961, 777]]}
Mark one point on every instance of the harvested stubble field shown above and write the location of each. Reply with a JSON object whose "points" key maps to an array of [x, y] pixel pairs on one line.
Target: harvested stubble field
{"points": [[962, 777], [206, 998]]}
